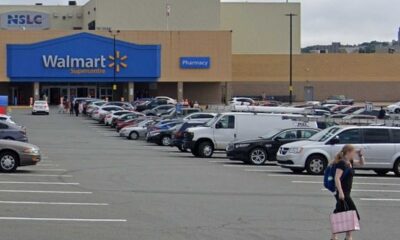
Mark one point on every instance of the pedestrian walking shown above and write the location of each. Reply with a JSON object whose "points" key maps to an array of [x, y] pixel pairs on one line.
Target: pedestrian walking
{"points": [[76, 108], [71, 108], [382, 113], [344, 163]]}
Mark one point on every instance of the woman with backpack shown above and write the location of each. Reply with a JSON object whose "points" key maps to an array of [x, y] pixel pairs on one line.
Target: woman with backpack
{"points": [[344, 162]]}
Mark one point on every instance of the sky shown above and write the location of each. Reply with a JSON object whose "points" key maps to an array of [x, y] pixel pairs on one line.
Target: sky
{"points": [[326, 21]]}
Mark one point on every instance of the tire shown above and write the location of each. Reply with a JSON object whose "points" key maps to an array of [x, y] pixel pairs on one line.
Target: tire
{"points": [[381, 172], [195, 151], [166, 140], [316, 164], [396, 168], [257, 156], [397, 110], [205, 149], [8, 138], [8, 161], [133, 135], [297, 171]]}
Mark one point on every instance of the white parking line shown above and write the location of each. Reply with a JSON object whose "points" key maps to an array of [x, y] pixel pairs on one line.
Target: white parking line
{"points": [[39, 191], [47, 165], [381, 199], [40, 183], [263, 170], [54, 203], [216, 161], [371, 190], [45, 169], [313, 176], [35, 175], [63, 219], [357, 183], [249, 166]]}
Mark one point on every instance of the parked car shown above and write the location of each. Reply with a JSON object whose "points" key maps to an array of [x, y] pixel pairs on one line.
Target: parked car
{"points": [[171, 114], [394, 108], [124, 105], [14, 154], [178, 136], [12, 131], [167, 99], [241, 101], [108, 120], [351, 109], [100, 113], [137, 131], [163, 135], [233, 126], [6, 118], [339, 99], [200, 116], [158, 110], [93, 106], [258, 151], [40, 107], [130, 122], [150, 104], [381, 147], [125, 117], [338, 108]]}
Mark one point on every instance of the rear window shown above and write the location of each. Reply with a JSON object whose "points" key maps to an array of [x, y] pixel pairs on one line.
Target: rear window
{"points": [[376, 136]]}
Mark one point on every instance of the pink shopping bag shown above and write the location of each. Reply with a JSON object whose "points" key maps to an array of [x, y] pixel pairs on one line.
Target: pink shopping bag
{"points": [[344, 222]]}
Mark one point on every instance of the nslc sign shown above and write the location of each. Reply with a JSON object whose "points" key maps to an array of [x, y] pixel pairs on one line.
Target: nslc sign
{"points": [[195, 62], [24, 19], [83, 57]]}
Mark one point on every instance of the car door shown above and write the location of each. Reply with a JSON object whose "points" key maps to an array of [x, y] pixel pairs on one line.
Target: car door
{"points": [[348, 136], [378, 148], [224, 131], [3, 130], [287, 136]]}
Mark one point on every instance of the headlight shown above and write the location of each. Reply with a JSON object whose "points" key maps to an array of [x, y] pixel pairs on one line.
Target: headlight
{"points": [[295, 150], [241, 145], [31, 151]]}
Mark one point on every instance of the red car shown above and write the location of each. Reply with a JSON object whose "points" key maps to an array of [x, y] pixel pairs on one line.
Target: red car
{"points": [[124, 123]]}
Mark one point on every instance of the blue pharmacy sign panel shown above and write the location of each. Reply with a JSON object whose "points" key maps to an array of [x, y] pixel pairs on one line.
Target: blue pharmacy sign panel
{"points": [[83, 57], [195, 62]]}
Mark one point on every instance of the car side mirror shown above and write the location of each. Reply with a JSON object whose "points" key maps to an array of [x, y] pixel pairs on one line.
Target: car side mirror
{"points": [[278, 139], [334, 140]]}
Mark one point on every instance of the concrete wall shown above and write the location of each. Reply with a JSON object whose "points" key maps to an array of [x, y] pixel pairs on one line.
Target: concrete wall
{"points": [[61, 17], [261, 28], [152, 14]]}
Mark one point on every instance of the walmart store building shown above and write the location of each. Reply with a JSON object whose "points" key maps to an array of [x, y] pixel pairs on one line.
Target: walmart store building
{"points": [[202, 50], [178, 48]]}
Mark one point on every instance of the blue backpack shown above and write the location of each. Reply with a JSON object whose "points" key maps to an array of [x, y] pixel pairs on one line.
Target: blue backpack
{"points": [[329, 177]]}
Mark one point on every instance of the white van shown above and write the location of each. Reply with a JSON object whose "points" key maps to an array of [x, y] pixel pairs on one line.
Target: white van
{"points": [[234, 126]]}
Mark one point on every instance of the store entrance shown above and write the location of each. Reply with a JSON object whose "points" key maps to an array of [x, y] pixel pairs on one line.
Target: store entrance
{"points": [[53, 94]]}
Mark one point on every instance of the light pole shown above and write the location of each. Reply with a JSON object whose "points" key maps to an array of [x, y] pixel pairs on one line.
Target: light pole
{"points": [[291, 15], [114, 34]]}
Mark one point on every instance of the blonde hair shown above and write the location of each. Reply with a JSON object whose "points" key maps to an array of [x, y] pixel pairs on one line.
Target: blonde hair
{"points": [[346, 149]]}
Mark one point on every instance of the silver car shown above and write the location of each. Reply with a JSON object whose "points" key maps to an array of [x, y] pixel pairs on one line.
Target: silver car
{"points": [[14, 154]]}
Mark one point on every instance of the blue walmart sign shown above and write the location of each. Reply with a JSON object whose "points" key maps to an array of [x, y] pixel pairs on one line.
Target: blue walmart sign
{"points": [[83, 57], [195, 62]]}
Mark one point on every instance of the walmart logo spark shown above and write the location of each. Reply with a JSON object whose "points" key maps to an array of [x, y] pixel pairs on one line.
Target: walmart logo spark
{"points": [[117, 61]]}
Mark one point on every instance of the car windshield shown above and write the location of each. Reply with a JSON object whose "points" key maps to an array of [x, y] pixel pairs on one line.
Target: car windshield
{"points": [[324, 135], [212, 121], [271, 133], [40, 103]]}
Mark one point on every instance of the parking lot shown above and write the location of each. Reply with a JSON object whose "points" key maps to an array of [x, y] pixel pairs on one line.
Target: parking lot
{"points": [[92, 184]]}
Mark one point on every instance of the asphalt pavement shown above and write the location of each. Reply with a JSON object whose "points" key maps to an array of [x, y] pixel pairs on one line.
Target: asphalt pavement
{"points": [[93, 185]]}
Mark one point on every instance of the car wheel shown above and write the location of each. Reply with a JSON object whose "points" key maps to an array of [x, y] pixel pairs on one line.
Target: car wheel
{"points": [[166, 141], [195, 151], [8, 161], [206, 149], [397, 168], [381, 172], [316, 164], [297, 171], [8, 138], [257, 156], [133, 136], [397, 110]]}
